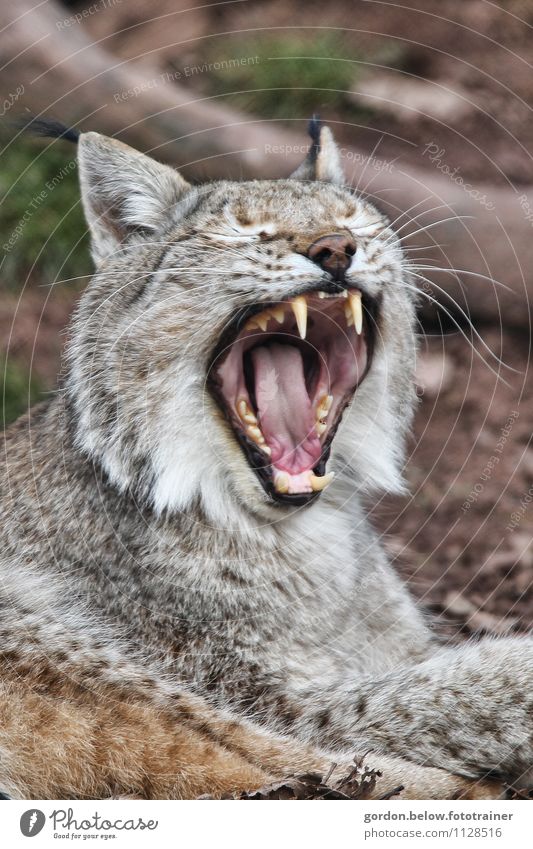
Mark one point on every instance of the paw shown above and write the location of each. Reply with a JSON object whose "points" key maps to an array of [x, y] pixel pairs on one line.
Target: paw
{"points": [[424, 782]]}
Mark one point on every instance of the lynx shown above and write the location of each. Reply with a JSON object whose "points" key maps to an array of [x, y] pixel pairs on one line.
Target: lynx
{"points": [[193, 599]]}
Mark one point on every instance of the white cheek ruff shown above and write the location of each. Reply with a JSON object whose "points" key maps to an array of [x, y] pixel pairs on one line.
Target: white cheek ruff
{"points": [[161, 440]]}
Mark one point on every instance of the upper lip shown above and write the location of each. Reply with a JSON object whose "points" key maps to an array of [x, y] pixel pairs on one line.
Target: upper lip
{"points": [[259, 317]]}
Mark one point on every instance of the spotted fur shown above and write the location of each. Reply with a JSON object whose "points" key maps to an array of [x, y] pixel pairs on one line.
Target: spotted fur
{"points": [[167, 630]]}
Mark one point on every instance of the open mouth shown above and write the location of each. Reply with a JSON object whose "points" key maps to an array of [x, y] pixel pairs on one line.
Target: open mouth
{"points": [[283, 374]]}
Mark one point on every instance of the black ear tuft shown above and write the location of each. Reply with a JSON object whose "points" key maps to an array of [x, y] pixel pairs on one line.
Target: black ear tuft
{"points": [[49, 128], [323, 161], [313, 128]]}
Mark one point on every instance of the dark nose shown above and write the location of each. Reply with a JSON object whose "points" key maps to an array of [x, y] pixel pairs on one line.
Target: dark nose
{"points": [[333, 253]]}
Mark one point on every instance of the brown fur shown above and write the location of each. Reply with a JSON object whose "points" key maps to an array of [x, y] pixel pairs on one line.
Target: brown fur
{"points": [[166, 630]]}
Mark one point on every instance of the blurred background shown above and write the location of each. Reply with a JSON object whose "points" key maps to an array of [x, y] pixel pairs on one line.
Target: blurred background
{"points": [[431, 103]]}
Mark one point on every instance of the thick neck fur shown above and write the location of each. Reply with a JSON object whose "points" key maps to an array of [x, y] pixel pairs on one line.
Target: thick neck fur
{"points": [[204, 600]]}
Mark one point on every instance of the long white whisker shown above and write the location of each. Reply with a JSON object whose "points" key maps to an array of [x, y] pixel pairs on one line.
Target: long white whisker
{"points": [[471, 326], [460, 271], [428, 227]]}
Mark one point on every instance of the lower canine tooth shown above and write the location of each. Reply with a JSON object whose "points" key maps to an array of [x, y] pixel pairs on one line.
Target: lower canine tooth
{"points": [[320, 483], [281, 483]]}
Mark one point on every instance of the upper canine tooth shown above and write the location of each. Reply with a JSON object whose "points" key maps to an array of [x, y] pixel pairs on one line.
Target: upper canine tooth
{"points": [[279, 314], [320, 483], [262, 320], [354, 299], [299, 308]]}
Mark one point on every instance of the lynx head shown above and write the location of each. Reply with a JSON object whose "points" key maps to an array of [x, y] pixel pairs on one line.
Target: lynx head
{"points": [[240, 341]]}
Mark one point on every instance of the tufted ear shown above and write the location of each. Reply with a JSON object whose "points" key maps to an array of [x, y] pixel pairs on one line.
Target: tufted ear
{"points": [[323, 162], [123, 192]]}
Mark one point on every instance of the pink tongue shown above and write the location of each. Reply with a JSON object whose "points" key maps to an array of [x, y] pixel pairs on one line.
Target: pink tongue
{"points": [[284, 408]]}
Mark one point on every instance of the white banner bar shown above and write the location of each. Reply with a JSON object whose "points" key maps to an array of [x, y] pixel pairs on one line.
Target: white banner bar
{"points": [[248, 825]]}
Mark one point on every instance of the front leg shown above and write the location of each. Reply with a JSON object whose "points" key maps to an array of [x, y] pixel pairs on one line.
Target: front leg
{"points": [[58, 740], [467, 710]]}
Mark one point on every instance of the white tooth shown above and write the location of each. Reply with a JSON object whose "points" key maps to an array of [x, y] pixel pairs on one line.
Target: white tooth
{"points": [[245, 412], [322, 294], [320, 483], [262, 320], [255, 433], [251, 324], [321, 428], [279, 314], [324, 406], [354, 299], [266, 449], [281, 482], [299, 308]]}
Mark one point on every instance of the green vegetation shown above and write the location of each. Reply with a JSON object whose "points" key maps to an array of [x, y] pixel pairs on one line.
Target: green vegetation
{"points": [[42, 241], [290, 76], [19, 390], [41, 221]]}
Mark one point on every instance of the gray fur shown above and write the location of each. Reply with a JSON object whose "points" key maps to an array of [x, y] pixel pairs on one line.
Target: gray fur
{"points": [[134, 528]]}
